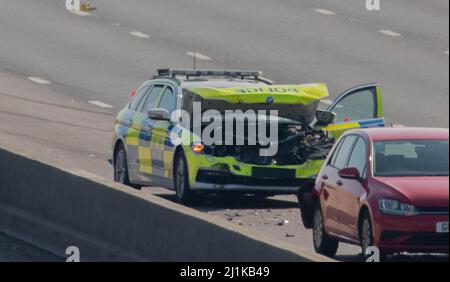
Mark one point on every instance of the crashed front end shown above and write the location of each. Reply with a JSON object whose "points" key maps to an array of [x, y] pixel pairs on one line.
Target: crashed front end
{"points": [[301, 148]]}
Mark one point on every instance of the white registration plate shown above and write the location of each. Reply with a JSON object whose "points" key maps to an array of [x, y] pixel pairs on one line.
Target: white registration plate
{"points": [[442, 227]]}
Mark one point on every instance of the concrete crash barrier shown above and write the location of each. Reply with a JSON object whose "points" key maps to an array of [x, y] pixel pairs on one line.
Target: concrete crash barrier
{"points": [[54, 208]]}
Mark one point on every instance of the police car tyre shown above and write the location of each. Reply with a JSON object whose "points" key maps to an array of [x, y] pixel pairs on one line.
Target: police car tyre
{"points": [[184, 193], [323, 244], [307, 207], [121, 168]]}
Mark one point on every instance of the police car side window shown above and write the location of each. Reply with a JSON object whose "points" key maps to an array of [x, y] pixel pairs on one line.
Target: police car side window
{"points": [[167, 100], [360, 105], [151, 100], [138, 98]]}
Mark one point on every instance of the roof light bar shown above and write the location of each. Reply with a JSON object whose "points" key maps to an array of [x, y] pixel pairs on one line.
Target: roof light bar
{"points": [[212, 73]]}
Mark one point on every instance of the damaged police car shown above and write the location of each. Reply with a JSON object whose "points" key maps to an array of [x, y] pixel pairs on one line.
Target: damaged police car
{"points": [[203, 131]]}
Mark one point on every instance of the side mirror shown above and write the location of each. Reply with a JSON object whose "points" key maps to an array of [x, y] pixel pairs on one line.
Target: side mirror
{"points": [[159, 114], [325, 118], [350, 173]]}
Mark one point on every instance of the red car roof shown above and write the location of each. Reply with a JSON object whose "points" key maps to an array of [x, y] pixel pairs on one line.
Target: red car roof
{"points": [[405, 133]]}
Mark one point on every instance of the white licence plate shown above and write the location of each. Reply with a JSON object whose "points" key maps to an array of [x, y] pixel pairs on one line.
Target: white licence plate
{"points": [[442, 227]]}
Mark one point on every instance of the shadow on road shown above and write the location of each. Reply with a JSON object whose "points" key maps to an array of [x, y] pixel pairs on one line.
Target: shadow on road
{"points": [[242, 202]]}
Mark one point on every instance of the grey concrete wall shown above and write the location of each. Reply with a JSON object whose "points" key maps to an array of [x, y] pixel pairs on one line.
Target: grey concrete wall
{"points": [[53, 209]]}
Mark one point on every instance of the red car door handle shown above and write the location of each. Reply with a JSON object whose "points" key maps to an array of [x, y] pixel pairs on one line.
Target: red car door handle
{"points": [[339, 183]]}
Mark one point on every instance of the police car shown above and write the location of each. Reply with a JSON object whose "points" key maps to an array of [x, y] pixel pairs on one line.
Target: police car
{"points": [[152, 148]]}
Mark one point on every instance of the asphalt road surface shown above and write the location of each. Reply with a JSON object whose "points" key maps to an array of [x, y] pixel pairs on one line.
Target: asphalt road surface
{"points": [[98, 58], [83, 67]]}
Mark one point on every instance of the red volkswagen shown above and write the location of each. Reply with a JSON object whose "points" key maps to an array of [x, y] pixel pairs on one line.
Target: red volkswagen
{"points": [[387, 188]]}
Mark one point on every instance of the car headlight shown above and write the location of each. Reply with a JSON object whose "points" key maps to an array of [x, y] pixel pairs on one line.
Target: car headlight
{"points": [[198, 148], [394, 207]]}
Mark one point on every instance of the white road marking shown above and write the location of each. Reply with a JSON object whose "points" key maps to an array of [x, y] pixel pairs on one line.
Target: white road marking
{"points": [[199, 56], [87, 174], [81, 13], [140, 34], [390, 33], [327, 102], [101, 104], [39, 80], [325, 12]]}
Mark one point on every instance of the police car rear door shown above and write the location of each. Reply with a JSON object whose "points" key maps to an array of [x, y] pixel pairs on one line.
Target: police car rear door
{"points": [[132, 121], [145, 166], [161, 145]]}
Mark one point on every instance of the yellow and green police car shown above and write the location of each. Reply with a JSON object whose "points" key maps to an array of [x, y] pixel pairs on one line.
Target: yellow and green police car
{"points": [[146, 142]]}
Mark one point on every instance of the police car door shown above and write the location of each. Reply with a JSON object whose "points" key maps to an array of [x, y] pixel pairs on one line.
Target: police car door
{"points": [[132, 121], [359, 107], [162, 148], [146, 134]]}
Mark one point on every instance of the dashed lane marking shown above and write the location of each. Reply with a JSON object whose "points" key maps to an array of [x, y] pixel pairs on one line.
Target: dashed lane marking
{"points": [[101, 104], [390, 33], [140, 34], [38, 80], [199, 56], [325, 12], [327, 102]]}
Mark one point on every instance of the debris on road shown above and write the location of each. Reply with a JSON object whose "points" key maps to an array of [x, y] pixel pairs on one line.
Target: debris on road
{"points": [[85, 7], [233, 215], [284, 222]]}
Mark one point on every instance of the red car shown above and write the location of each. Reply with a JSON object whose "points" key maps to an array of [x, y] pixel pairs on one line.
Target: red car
{"points": [[384, 187]]}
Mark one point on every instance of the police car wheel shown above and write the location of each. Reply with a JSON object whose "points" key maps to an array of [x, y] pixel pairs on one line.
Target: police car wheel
{"points": [[121, 168], [184, 193]]}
